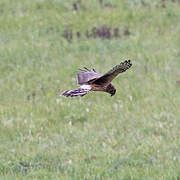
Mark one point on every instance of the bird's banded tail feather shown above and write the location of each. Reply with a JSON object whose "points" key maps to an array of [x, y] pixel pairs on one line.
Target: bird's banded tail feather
{"points": [[76, 92]]}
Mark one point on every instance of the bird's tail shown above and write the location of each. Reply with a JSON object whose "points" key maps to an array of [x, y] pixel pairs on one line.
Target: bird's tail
{"points": [[75, 92]]}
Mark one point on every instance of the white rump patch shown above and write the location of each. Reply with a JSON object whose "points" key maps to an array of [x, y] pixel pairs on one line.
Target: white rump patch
{"points": [[87, 87]]}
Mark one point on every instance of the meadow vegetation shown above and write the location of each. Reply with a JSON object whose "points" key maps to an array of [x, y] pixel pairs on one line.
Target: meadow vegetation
{"points": [[132, 135]]}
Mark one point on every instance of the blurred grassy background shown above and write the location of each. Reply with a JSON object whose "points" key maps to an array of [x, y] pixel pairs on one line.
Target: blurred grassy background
{"points": [[133, 135]]}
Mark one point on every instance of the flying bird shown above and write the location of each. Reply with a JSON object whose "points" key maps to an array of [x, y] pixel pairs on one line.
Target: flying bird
{"points": [[90, 80]]}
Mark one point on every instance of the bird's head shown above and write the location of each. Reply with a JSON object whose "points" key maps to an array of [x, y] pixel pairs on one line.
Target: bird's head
{"points": [[111, 90]]}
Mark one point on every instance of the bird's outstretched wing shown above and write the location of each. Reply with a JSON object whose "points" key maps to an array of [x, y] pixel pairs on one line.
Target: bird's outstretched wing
{"points": [[110, 75], [86, 75]]}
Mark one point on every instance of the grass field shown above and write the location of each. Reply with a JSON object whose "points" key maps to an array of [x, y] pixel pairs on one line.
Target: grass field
{"points": [[132, 135]]}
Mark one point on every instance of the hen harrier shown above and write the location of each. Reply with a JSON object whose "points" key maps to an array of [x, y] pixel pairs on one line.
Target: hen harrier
{"points": [[90, 80]]}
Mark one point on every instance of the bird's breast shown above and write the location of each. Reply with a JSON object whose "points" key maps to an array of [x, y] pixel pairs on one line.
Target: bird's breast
{"points": [[96, 87]]}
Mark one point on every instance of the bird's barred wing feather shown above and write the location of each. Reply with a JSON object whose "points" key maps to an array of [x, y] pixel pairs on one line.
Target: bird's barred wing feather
{"points": [[110, 75], [86, 75]]}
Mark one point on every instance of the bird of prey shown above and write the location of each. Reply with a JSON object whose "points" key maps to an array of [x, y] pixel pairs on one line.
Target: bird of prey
{"points": [[90, 80]]}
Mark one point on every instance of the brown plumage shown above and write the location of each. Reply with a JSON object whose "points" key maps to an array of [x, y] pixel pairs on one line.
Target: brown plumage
{"points": [[90, 80]]}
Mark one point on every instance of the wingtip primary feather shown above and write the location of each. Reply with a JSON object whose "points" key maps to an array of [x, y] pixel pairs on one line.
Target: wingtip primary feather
{"points": [[125, 65], [86, 68]]}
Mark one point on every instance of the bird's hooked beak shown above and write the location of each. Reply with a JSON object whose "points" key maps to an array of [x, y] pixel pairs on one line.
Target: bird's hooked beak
{"points": [[113, 93]]}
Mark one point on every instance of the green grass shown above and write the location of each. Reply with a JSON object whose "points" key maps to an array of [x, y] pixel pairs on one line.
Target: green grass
{"points": [[133, 135]]}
